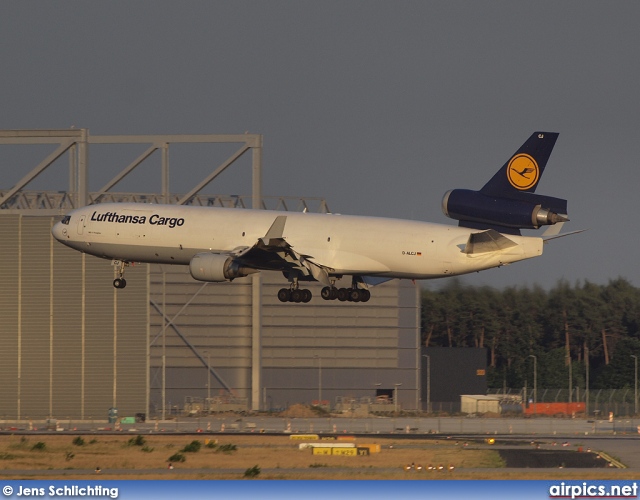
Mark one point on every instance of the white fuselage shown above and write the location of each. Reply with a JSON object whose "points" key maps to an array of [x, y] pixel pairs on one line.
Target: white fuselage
{"points": [[346, 245]]}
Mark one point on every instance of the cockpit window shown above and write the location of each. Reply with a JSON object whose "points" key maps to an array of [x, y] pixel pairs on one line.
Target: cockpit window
{"points": [[65, 220]]}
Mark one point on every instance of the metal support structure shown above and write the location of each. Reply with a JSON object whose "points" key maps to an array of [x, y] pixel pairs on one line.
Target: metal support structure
{"points": [[83, 334], [208, 380], [163, 142], [570, 379], [73, 168], [256, 340], [41, 167], [395, 396], [586, 387], [319, 379], [126, 172], [535, 381], [148, 336], [256, 286], [114, 402], [418, 340], [165, 172], [428, 382], [164, 344], [189, 196], [192, 348], [77, 142], [635, 385], [82, 198]]}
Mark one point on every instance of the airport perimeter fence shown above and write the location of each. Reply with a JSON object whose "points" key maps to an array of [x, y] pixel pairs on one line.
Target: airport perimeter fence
{"points": [[448, 427], [599, 403], [595, 403]]}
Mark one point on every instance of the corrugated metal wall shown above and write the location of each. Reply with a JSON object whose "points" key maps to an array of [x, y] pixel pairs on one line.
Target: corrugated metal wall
{"points": [[357, 345], [9, 317], [72, 347]]}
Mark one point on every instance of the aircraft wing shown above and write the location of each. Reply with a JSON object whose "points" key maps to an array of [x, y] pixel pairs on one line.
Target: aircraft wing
{"points": [[273, 252]]}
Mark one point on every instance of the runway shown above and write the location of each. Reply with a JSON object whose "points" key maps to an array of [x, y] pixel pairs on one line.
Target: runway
{"points": [[619, 439]]}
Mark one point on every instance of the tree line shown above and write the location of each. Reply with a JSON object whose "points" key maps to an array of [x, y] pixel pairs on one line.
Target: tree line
{"points": [[566, 332]]}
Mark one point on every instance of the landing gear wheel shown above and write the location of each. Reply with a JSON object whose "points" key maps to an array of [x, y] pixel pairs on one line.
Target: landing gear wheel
{"points": [[343, 295], [329, 293], [306, 296], [365, 295], [119, 283], [297, 296], [354, 295], [284, 295]]}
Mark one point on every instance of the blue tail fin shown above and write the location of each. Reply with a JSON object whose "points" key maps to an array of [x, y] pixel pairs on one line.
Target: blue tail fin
{"points": [[507, 202], [522, 172]]}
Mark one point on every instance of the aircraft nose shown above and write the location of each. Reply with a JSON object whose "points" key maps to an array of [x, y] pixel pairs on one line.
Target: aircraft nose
{"points": [[60, 231]]}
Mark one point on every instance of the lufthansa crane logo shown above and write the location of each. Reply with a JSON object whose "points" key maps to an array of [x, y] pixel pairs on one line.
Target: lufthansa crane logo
{"points": [[523, 172]]}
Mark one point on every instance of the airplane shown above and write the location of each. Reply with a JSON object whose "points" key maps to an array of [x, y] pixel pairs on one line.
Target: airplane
{"points": [[222, 244]]}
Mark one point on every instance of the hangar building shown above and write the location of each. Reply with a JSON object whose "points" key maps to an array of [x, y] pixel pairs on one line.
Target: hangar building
{"points": [[74, 346]]}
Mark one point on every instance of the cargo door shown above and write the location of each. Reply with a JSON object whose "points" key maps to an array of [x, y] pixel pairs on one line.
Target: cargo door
{"points": [[81, 224]]}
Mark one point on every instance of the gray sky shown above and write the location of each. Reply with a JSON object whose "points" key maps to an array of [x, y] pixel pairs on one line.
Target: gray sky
{"points": [[377, 106]]}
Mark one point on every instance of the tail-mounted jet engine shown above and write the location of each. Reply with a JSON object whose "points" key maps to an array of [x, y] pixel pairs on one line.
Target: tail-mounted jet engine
{"points": [[524, 211], [214, 267]]}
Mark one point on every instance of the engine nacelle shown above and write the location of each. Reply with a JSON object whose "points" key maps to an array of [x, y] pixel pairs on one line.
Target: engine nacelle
{"points": [[216, 268], [527, 212]]}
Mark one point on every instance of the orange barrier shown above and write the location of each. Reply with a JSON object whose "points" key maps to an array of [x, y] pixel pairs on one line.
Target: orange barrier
{"points": [[554, 408]]}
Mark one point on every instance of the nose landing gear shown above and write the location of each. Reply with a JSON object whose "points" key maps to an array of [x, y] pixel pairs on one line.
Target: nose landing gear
{"points": [[120, 282]]}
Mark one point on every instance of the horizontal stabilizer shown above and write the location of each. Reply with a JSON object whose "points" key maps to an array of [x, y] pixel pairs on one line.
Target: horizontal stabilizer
{"points": [[487, 241], [554, 230], [555, 236]]}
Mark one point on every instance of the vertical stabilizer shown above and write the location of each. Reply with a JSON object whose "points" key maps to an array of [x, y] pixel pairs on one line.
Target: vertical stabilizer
{"points": [[508, 203], [522, 172]]}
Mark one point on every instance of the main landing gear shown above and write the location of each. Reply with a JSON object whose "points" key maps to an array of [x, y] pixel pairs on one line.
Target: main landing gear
{"points": [[353, 294], [345, 294], [294, 295], [328, 293]]}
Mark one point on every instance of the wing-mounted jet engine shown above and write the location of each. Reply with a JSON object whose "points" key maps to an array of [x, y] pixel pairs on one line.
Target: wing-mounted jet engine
{"points": [[217, 268]]}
